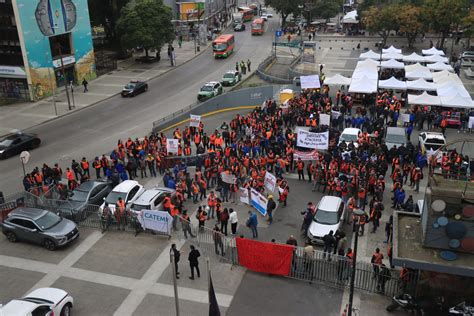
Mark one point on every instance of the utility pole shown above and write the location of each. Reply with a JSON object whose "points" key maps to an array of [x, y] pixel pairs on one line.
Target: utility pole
{"points": [[64, 76], [358, 213], [175, 285]]}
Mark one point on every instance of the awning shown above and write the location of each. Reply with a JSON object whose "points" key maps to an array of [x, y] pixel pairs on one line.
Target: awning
{"points": [[12, 72], [393, 64], [391, 49], [392, 83], [432, 51], [457, 101], [448, 89], [424, 99], [445, 76], [417, 71], [421, 84], [370, 55], [414, 58], [440, 66], [338, 80], [365, 72], [350, 18], [363, 85], [387, 56], [435, 59]]}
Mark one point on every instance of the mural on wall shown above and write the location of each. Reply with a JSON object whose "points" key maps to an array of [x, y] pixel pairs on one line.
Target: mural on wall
{"points": [[48, 18]]}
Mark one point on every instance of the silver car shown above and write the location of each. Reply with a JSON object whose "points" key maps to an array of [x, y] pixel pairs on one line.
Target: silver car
{"points": [[40, 227]]}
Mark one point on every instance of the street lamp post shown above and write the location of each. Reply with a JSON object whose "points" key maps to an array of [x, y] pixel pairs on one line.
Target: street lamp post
{"points": [[357, 215], [175, 285]]}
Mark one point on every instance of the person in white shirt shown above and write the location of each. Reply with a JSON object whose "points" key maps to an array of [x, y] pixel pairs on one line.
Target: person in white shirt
{"points": [[233, 221]]}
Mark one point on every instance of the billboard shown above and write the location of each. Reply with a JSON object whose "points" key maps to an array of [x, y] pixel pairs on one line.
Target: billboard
{"points": [[191, 10]]}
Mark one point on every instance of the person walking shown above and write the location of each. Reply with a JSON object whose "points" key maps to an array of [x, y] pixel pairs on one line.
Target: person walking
{"points": [[329, 242], [217, 237], [252, 223], [224, 219], [270, 207], [249, 63], [233, 221], [376, 261], [85, 167], [384, 276], [194, 262], [105, 217], [176, 255], [120, 214], [186, 224], [85, 83]]}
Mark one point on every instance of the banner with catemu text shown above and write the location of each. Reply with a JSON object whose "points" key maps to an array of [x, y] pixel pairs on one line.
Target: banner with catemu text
{"points": [[312, 140], [158, 221], [264, 257], [259, 202]]}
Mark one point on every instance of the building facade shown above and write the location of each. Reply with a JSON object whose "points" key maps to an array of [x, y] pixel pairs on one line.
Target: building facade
{"points": [[47, 44]]}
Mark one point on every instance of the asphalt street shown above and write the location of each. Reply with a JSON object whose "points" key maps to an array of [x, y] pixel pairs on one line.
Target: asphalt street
{"points": [[95, 130]]}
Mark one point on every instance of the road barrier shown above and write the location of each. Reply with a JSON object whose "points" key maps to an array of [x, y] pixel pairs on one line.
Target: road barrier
{"points": [[262, 74]]}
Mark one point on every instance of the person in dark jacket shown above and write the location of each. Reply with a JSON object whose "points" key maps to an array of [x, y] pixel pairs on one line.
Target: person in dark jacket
{"points": [[176, 255], [194, 262], [329, 241], [270, 207]]}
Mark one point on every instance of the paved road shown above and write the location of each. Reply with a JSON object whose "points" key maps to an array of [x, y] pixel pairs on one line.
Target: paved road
{"points": [[95, 130]]}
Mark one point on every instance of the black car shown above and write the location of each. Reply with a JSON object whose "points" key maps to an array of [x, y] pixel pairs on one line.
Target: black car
{"points": [[239, 27], [14, 144], [133, 88], [77, 206]]}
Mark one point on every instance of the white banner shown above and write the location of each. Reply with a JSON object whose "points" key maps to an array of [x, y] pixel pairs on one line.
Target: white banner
{"points": [[471, 122], [244, 195], [306, 155], [270, 181], [259, 202], [335, 114], [172, 145], [406, 118], [156, 220], [195, 120], [310, 82], [228, 178], [313, 140], [324, 119]]}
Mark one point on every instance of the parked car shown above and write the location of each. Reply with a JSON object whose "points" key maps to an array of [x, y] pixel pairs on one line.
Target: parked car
{"points": [[128, 190], [269, 15], [231, 77], [350, 134], [151, 199], [430, 142], [209, 90], [239, 27], [133, 88], [48, 301], [13, 144], [395, 136], [40, 227], [329, 216], [88, 193], [264, 17]]}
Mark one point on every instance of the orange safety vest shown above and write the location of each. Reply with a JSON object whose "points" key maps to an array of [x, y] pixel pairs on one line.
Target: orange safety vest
{"points": [[85, 165], [300, 165], [211, 201], [378, 258], [70, 175], [121, 206]]}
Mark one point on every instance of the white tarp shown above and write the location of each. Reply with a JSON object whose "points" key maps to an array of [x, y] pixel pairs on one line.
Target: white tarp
{"points": [[432, 51], [435, 59], [392, 64], [421, 84], [228, 178], [440, 66], [172, 145], [414, 58], [392, 56], [416, 71], [350, 18], [270, 181], [310, 82], [370, 55], [447, 90], [156, 220], [392, 83], [391, 49], [338, 80], [324, 119], [424, 99], [457, 101], [312, 140], [363, 85]]}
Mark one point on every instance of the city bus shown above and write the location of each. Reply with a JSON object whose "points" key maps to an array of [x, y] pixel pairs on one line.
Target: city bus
{"points": [[258, 26], [223, 46], [247, 13], [254, 8]]}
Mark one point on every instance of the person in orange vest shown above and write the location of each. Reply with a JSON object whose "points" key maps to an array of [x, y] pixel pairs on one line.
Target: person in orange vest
{"points": [[105, 164], [187, 150], [362, 198], [201, 217], [300, 169], [167, 204], [175, 215], [443, 125], [211, 202], [351, 204], [195, 191], [97, 164], [120, 214], [85, 167], [69, 177], [376, 261]]}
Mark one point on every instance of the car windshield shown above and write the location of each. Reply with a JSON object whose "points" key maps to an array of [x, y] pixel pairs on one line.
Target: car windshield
{"points": [[130, 86], [434, 141], [113, 197], [394, 138], [6, 142], [325, 217], [348, 137], [79, 196], [207, 88], [219, 47], [256, 26], [139, 207], [48, 220], [229, 76], [433, 147]]}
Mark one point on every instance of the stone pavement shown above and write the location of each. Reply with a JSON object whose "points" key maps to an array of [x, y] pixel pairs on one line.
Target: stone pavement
{"points": [[20, 116]]}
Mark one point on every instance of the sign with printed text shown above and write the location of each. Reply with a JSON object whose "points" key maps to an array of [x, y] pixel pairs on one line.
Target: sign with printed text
{"points": [[406, 118], [270, 181], [335, 114], [172, 145], [324, 119], [228, 178], [156, 220], [244, 195], [310, 82], [278, 33], [258, 201], [471, 122], [195, 120], [305, 155], [312, 140]]}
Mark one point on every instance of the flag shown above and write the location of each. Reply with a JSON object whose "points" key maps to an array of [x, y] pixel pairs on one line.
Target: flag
{"points": [[213, 306]]}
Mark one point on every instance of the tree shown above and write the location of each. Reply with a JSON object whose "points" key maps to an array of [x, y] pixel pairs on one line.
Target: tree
{"points": [[106, 13], [326, 9], [381, 21], [409, 20], [146, 24], [285, 7], [468, 22]]}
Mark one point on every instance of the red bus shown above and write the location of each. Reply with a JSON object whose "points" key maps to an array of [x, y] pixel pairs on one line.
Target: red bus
{"points": [[258, 27], [247, 13], [223, 46]]}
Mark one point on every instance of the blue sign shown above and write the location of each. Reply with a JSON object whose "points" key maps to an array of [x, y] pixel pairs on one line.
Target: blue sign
{"points": [[278, 33]]}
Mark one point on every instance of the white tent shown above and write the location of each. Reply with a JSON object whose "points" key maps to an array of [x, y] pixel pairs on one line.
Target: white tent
{"points": [[424, 99], [432, 51], [363, 85], [416, 71], [457, 101], [452, 89], [444, 76], [370, 55], [391, 49], [337, 80], [392, 83], [392, 63], [392, 56], [440, 66], [414, 58], [421, 84], [350, 18], [435, 59], [362, 72], [367, 63]]}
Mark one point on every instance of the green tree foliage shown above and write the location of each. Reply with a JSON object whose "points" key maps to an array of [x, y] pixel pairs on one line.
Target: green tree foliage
{"points": [[381, 20], [326, 9], [146, 24], [285, 7], [410, 22]]}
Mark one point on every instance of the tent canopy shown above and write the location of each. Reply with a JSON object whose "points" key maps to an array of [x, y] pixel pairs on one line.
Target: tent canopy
{"points": [[457, 101], [452, 89], [392, 83], [370, 55], [440, 66], [392, 56], [392, 49], [414, 58], [337, 80], [370, 63], [350, 18], [363, 85], [364, 72], [444, 76], [392, 63], [421, 84], [417, 71], [435, 59], [424, 99], [432, 51]]}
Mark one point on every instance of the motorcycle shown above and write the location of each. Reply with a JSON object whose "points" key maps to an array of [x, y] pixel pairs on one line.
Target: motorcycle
{"points": [[418, 307], [462, 309]]}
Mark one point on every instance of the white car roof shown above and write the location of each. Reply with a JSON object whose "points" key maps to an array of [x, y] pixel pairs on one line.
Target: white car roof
{"points": [[329, 203], [48, 293], [434, 135], [17, 307], [211, 83], [147, 196], [125, 186], [351, 131]]}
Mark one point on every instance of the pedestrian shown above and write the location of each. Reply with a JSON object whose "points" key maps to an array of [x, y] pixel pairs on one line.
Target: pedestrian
{"points": [[376, 261], [236, 66], [270, 207], [243, 67], [388, 229], [224, 219], [339, 237], [97, 166], [85, 167], [120, 214], [77, 169], [106, 217], [249, 63], [252, 223], [233, 221], [211, 203], [194, 262], [180, 40], [201, 217], [217, 237], [384, 276], [186, 224], [85, 83], [329, 242], [308, 216], [176, 254], [292, 241]]}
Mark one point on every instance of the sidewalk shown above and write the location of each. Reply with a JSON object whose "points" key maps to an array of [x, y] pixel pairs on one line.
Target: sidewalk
{"points": [[20, 116]]}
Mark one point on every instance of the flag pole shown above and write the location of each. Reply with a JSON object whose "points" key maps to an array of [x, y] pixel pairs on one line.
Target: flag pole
{"points": [[175, 285]]}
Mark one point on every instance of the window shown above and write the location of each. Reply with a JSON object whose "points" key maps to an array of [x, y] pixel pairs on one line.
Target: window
{"points": [[96, 191], [132, 193], [41, 311], [24, 223]]}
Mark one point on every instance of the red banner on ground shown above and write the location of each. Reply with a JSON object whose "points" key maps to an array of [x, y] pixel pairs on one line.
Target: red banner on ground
{"points": [[264, 257], [306, 155]]}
